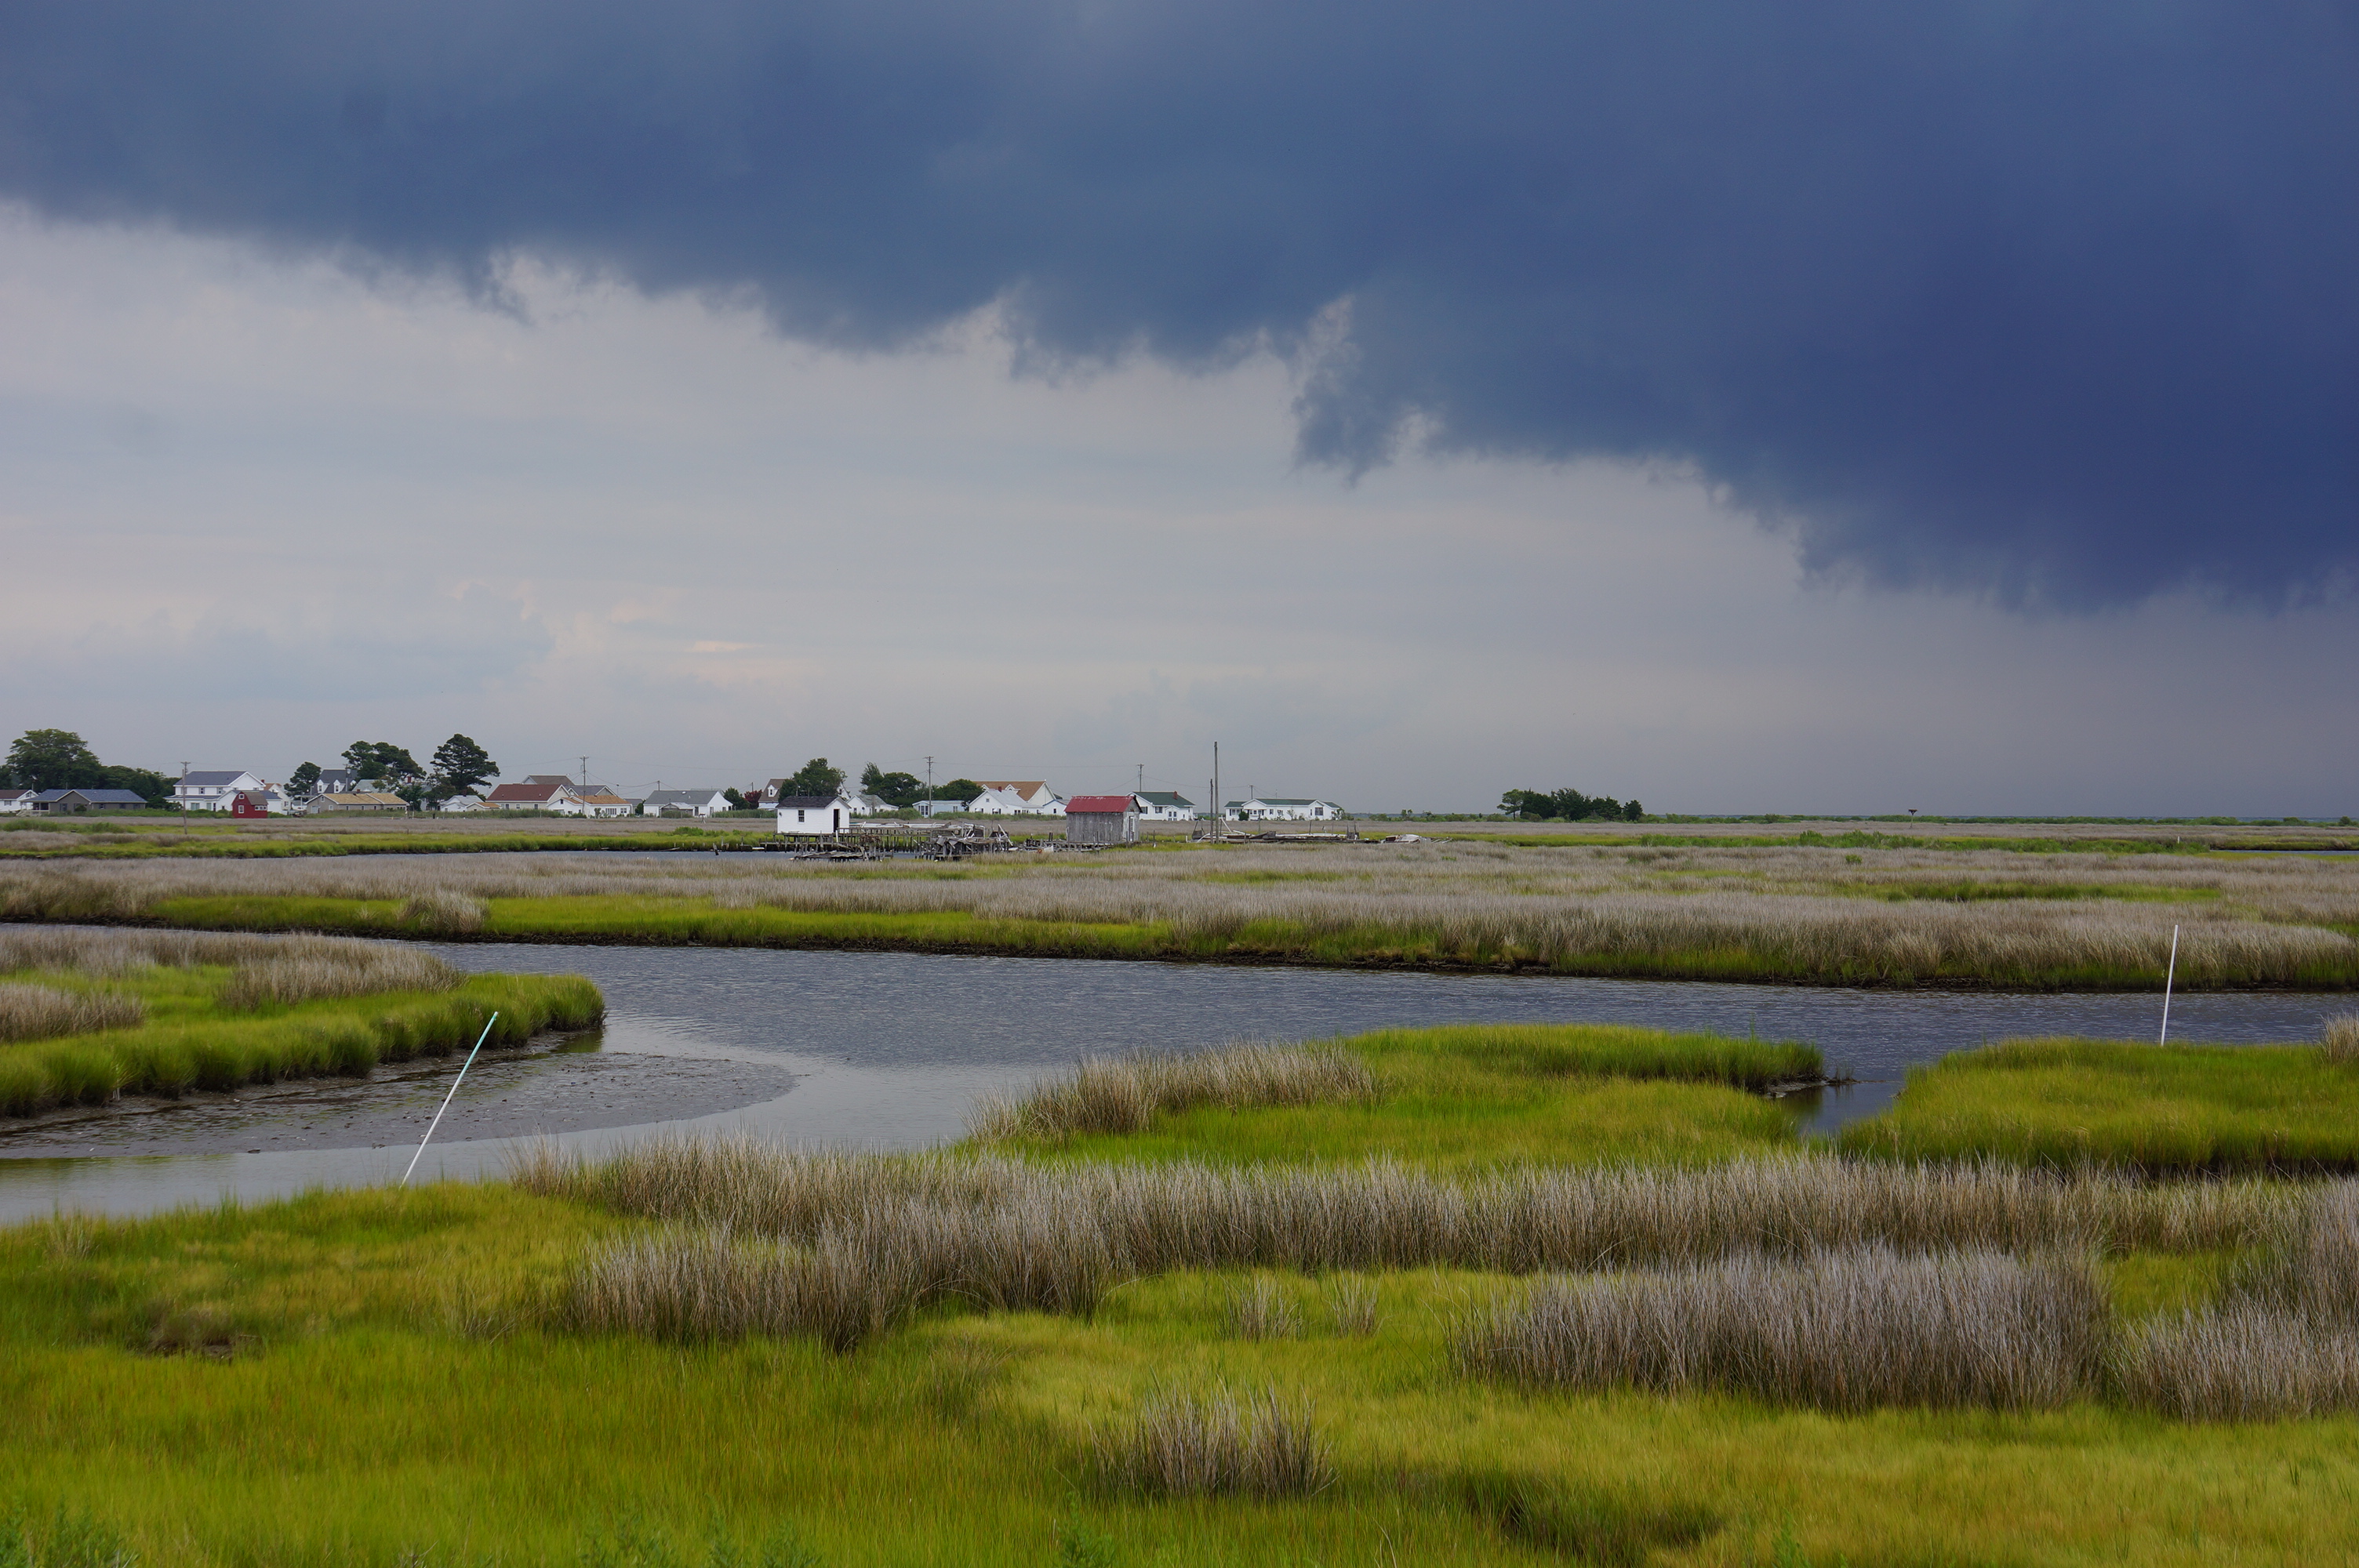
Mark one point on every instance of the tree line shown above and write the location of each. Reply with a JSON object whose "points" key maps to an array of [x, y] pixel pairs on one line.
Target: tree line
{"points": [[1569, 805], [59, 759]]}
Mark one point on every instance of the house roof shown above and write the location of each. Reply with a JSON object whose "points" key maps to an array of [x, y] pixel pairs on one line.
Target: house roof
{"points": [[680, 797], [599, 797], [524, 792], [1163, 797], [549, 778], [1083, 804], [807, 802], [215, 779], [361, 797], [14, 793], [97, 796], [1026, 787]]}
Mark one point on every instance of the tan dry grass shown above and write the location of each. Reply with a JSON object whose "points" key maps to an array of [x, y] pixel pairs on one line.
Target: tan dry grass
{"points": [[2285, 1345], [1124, 1094], [2340, 1039], [44, 1012], [1150, 1217], [845, 1245], [307, 968], [1841, 1330]]}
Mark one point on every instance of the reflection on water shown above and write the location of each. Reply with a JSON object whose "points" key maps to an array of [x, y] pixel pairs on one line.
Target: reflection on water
{"points": [[885, 1050]]}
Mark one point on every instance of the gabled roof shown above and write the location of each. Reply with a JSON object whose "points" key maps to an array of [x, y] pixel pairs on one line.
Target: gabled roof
{"points": [[549, 778], [15, 793], [97, 796], [521, 792], [214, 780], [1026, 787], [1163, 797], [1083, 804], [681, 796], [807, 802], [599, 797], [361, 797]]}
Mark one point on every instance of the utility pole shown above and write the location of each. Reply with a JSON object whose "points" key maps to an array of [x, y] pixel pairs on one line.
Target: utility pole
{"points": [[1218, 814], [930, 789], [585, 773], [1142, 778]]}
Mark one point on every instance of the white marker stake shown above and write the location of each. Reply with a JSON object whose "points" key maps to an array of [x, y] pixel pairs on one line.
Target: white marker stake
{"points": [[2169, 976], [462, 1078]]}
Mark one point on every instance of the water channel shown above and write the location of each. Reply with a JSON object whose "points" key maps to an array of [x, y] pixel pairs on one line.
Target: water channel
{"points": [[887, 1050]]}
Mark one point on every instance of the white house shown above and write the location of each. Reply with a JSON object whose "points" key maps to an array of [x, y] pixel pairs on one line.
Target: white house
{"points": [[997, 801], [815, 816], [1163, 806], [15, 800], [1275, 808], [684, 802], [465, 800], [589, 800], [212, 792], [1032, 798], [941, 807], [870, 805]]}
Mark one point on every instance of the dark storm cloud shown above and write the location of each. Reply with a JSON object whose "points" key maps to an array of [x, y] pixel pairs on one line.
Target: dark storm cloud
{"points": [[2057, 300]]}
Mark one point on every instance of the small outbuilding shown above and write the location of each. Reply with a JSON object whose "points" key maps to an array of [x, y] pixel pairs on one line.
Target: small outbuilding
{"points": [[1102, 819], [814, 816]]}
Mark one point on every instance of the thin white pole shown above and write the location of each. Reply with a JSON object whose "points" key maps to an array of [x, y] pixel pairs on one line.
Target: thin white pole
{"points": [[462, 1078], [2169, 976]]}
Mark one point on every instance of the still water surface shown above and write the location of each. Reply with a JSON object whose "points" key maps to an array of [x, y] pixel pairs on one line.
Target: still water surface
{"points": [[881, 1050]]}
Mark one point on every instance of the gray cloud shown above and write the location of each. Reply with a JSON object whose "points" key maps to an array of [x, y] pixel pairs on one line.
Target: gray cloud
{"points": [[2050, 301]]}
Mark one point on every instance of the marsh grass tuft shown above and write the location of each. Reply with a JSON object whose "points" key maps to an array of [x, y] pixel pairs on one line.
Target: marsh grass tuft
{"points": [[313, 969], [43, 1012], [1849, 1330], [447, 911], [1124, 1094], [1180, 1445], [2339, 1042], [1351, 1306], [1262, 1309]]}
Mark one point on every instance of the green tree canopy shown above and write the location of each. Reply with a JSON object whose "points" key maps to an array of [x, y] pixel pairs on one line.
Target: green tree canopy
{"points": [[892, 789], [815, 777], [959, 789], [381, 761], [303, 780], [460, 765], [54, 758]]}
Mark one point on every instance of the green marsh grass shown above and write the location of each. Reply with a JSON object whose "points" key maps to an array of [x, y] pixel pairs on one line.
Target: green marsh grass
{"points": [[178, 1012], [405, 1377], [2179, 1108]]}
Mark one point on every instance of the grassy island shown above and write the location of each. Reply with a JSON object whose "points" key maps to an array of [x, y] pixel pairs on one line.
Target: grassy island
{"points": [[1528, 1295], [85, 1016]]}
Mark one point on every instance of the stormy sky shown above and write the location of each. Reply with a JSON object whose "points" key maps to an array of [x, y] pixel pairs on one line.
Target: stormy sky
{"points": [[1817, 407]]}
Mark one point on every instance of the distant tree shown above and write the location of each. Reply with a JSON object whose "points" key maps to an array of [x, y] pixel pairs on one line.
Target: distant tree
{"points": [[146, 783], [460, 765], [1568, 806], [382, 762], [54, 758], [816, 778], [736, 801], [892, 789], [1528, 802], [303, 781], [957, 789]]}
